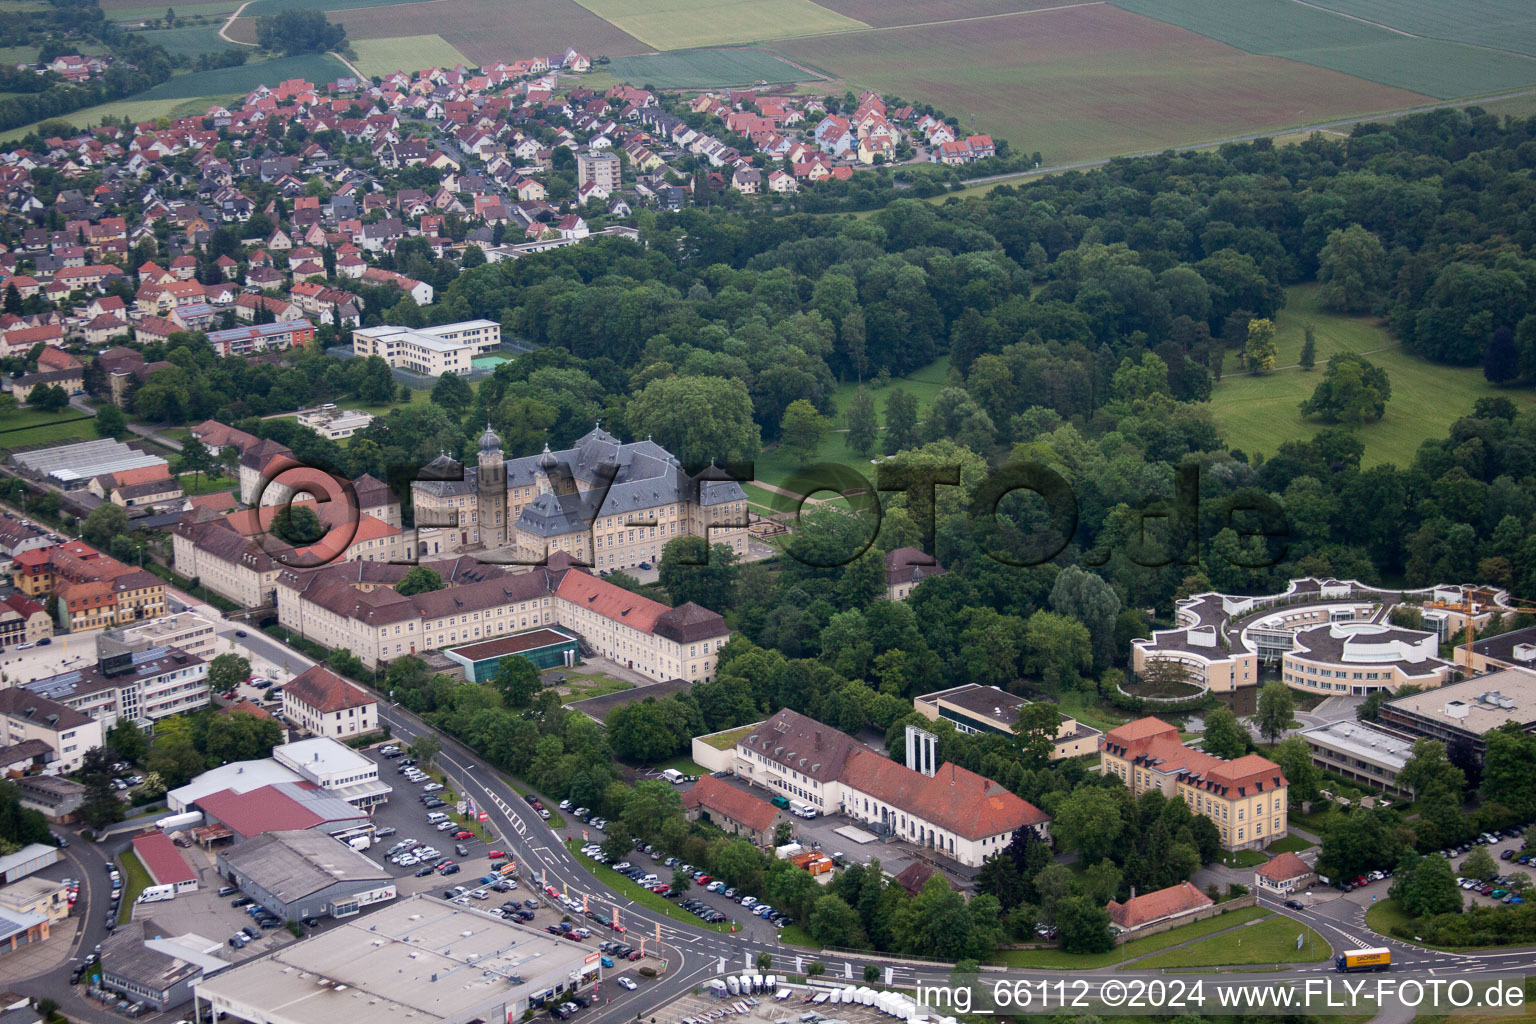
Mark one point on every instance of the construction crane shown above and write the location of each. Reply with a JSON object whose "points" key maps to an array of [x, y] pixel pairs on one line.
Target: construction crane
{"points": [[1509, 605]]}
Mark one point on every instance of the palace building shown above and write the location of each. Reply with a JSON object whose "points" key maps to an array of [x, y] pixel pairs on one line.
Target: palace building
{"points": [[604, 503], [1246, 798]]}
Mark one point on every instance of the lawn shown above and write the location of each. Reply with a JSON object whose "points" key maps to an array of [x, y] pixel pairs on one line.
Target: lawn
{"points": [[682, 764], [383, 408], [407, 53], [622, 886], [683, 24], [1290, 844], [1258, 414], [795, 935], [18, 419], [704, 69], [775, 468], [78, 430], [1311, 35], [18, 54], [597, 688], [1057, 960], [1091, 81], [1384, 915], [1242, 858], [208, 484], [1271, 941], [135, 880]]}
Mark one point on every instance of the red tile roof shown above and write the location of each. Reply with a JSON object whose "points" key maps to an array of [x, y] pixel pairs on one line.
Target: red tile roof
{"points": [[954, 799], [1155, 743], [721, 798], [1154, 906], [267, 809], [1284, 868], [611, 601], [162, 859], [326, 692]]}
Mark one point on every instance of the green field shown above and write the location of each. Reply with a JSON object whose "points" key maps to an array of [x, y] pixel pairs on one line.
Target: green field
{"points": [[318, 68], [1290, 844], [1258, 414], [683, 24], [1305, 33], [1055, 959], [133, 109], [704, 69], [213, 9], [408, 53], [1499, 24], [25, 427], [1271, 941], [189, 40], [18, 54]]}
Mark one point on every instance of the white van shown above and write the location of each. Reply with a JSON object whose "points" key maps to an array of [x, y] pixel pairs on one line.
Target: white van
{"points": [[436, 818], [801, 810], [673, 776], [157, 894]]}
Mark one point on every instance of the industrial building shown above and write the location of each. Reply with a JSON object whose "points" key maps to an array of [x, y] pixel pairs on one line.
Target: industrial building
{"points": [[297, 873], [26, 861], [546, 648], [140, 963], [417, 960]]}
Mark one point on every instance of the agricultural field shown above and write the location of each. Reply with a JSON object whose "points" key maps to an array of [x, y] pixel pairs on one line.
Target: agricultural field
{"points": [[316, 67], [1258, 414], [1092, 81], [487, 31], [703, 69], [134, 109], [887, 13], [408, 53], [190, 40], [684, 24], [1498, 24], [257, 8], [18, 54], [1310, 35]]}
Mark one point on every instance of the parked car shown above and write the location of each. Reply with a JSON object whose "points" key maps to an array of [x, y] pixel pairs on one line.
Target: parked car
{"points": [[627, 983]]}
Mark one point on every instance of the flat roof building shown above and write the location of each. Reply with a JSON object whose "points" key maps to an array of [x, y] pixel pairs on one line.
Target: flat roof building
{"points": [[335, 767], [419, 959], [1360, 752], [546, 648], [1515, 649], [430, 351], [298, 873], [1465, 711]]}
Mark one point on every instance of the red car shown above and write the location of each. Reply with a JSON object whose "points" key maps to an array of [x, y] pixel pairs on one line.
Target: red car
{"points": [[636, 955], [463, 833], [496, 854]]}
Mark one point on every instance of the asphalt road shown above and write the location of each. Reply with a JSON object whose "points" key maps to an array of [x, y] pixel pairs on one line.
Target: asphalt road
{"points": [[694, 955]]}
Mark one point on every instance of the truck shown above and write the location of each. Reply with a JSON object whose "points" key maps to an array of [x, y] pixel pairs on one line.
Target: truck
{"points": [[157, 894], [179, 822], [802, 810], [1374, 958]]}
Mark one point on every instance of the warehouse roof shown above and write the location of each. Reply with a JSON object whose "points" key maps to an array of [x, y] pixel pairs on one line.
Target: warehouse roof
{"points": [[293, 863]]}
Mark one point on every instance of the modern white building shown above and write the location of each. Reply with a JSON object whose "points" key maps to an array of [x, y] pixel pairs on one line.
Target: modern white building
{"points": [[185, 631], [329, 421], [67, 733], [143, 685], [429, 351], [335, 767]]}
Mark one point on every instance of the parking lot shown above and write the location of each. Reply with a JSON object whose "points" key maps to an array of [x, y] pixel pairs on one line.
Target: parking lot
{"points": [[1513, 845]]}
